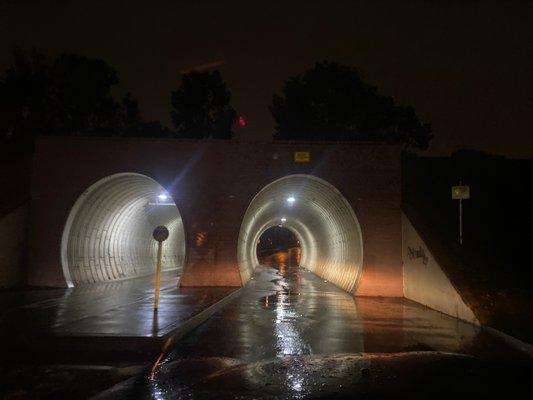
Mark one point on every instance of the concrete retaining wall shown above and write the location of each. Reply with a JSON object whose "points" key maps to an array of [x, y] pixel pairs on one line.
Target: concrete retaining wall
{"points": [[213, 183], [13, 233], [424, 281]]}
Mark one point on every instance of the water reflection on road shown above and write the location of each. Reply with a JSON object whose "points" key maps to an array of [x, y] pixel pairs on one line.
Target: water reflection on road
{"points": [[286, 310], [288, 314]]}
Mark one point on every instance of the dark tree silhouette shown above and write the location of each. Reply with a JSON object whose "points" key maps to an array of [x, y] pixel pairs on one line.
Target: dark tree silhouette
{"points": [[71, 96], [201, 107], [25, 97], [83, 96], [133, 123], [331, 102]]}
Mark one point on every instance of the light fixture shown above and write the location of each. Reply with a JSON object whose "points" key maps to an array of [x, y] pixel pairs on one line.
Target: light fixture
{"points": [[283, 219], [162, 197], [291, 200]]}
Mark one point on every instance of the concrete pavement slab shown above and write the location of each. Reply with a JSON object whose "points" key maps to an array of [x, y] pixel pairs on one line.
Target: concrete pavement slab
{"points": [[106, 317]]}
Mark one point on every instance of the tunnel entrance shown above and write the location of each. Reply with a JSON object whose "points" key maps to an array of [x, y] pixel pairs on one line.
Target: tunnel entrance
{"points": [[320, 217], [278, 245], [108, 234]]}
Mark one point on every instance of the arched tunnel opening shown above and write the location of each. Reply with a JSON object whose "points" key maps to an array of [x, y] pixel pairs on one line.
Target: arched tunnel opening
{"points": [[108, 234], [278, 245], [320, 217]]}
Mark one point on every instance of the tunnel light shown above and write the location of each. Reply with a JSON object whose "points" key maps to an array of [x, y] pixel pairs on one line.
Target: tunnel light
{"points": [[163, 199], [291, 200], [283, 219]]}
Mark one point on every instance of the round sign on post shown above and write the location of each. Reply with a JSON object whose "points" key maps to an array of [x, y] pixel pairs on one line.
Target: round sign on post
{"points": [[160, 234]]}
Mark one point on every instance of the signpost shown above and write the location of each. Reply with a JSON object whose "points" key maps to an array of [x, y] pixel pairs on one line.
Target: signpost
{"points": [[460, 193], [160, 234]]}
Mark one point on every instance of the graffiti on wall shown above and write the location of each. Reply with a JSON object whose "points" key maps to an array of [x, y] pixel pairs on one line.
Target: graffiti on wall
{"points": [[413, 254]]}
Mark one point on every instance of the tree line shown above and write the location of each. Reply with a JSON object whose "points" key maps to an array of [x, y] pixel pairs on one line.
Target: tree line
{"points": [[72, 95]]}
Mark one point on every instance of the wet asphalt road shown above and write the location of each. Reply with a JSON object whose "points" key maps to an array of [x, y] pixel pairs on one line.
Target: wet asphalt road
{"points": [[288, 311], [293, 335]]}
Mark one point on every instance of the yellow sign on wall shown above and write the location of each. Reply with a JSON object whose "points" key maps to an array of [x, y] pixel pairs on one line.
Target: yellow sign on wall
{"points": [[302, 156]]}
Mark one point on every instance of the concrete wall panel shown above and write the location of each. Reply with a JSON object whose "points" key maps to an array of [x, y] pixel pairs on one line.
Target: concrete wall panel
{"points": [[212, 183], [424, 280], [13, 236]]}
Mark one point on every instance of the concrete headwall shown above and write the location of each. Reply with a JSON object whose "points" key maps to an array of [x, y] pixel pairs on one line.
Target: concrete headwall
{"points": [[212, 183], [13, 233], [424, 281]]}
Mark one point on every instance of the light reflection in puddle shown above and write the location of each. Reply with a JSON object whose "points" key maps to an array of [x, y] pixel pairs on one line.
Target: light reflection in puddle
{"points": [[287, 313], [156, 392], [289, 341]]}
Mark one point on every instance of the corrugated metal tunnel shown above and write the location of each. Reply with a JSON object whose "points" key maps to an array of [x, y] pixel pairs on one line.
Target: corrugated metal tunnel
{"points": [[108, 234], [322, 219]]}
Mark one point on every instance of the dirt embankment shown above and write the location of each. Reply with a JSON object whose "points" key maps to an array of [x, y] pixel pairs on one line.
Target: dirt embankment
{"points": [[493, 268]]}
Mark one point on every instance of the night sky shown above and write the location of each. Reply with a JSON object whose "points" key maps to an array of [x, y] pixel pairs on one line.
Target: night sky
{"points": [[466, 66]]}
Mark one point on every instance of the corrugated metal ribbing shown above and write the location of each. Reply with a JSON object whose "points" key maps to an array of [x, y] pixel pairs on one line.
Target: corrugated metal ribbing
{"points": [[109, 232], [323, 220]]}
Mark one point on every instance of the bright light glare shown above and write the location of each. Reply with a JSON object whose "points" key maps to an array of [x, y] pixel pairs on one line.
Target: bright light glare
{"points": [[291, 199], [284, 219], [162, 196]]}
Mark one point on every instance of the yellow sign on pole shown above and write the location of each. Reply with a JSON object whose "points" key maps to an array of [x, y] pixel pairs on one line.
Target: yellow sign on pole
{"points": [[302, 156], [460, 192]]}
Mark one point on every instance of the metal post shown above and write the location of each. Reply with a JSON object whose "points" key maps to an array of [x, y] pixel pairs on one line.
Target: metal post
{"points": [[459, 193], [461, 222], [160, 234], [158, 275]]}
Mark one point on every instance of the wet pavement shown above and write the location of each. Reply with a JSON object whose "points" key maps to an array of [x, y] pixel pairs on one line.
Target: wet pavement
{"points": [[291, 334], [88, 318]]}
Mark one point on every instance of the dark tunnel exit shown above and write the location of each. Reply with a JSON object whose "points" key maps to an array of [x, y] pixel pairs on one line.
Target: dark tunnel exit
{"points": [[278, 246]]}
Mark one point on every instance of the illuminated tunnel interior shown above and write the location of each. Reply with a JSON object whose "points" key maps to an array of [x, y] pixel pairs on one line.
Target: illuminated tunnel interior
{"points": [[319, 216], [108, 234]]}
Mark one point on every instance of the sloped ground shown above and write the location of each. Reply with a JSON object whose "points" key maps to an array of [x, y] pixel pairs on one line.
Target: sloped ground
{"points": [[493, 270]]}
